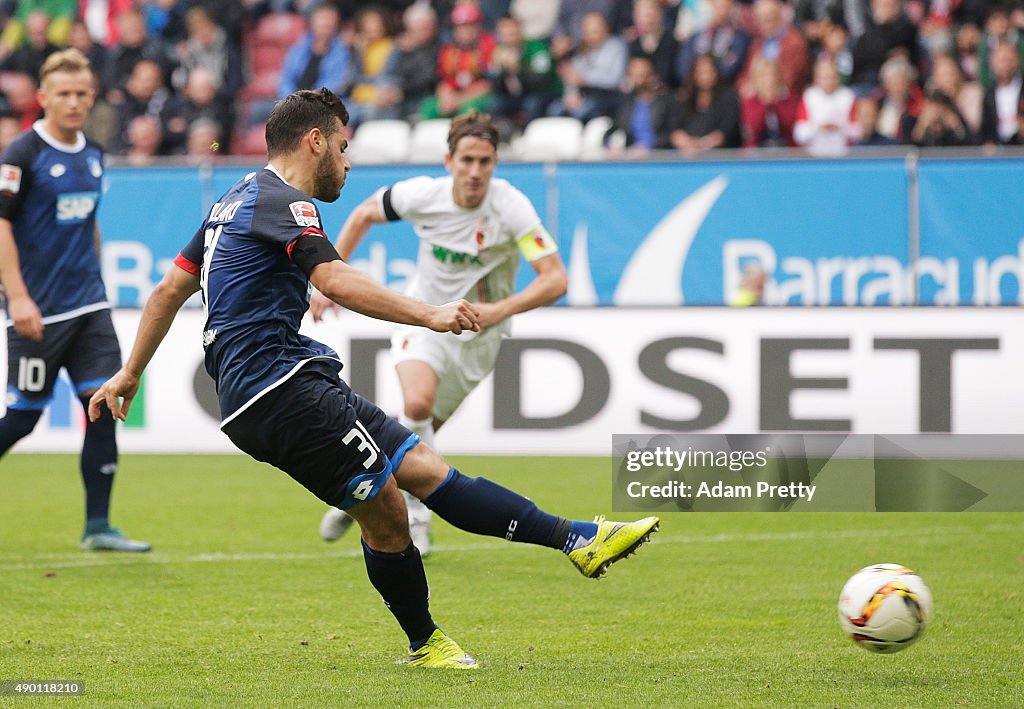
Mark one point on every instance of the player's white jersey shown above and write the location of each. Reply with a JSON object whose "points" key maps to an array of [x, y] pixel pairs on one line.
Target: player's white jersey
{"points": [[466, 253]]}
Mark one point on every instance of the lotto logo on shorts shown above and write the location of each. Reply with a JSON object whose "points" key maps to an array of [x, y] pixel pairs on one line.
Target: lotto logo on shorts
{"points": [[305, 214], [10, 178]]}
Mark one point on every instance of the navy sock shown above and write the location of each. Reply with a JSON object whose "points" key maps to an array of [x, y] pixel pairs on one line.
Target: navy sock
{"points": [[402, 583], [98, 463], [15, 425], [479, 506]]}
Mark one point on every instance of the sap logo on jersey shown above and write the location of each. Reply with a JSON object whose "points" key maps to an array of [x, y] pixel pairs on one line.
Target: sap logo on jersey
{"points": [[75, 207], [305, 214]]}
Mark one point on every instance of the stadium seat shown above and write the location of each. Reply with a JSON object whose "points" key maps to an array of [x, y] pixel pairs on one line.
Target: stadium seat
{"points": [[593, 138], [264, 58], [429, 142], [281, 29], [550, 138], [382, 141], [252, 142]]}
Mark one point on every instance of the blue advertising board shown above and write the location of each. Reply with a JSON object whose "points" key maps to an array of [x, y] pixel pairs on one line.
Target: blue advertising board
{"points": [[972, 234], [826, 232]]}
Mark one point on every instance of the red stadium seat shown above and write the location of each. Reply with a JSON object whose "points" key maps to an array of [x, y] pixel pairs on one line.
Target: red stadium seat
{"points": [[252, 142], [279, 29], [265, 58]]}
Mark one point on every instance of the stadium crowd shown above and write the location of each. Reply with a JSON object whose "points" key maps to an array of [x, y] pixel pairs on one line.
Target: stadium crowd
{"points": [[175, 77]]}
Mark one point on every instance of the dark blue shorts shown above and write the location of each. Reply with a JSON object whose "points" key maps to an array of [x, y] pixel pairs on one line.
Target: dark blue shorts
{"points": [[335, 443], [86, 346]]}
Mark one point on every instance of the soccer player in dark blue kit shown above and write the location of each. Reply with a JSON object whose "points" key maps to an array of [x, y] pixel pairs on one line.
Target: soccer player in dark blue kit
{"points": [[58, 315], [255, 257]]}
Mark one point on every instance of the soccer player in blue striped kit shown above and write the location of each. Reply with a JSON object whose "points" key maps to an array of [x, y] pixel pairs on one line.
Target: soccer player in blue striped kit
{"points": [[58, 315], [255, 258]]}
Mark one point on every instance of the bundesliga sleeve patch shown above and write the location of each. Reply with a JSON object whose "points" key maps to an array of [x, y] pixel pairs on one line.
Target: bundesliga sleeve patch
{"points": [[304, 214], [10, 178], [537, 243]]}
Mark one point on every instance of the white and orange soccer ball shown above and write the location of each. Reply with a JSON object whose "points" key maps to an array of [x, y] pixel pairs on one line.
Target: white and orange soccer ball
{"points": [[885, 608]]}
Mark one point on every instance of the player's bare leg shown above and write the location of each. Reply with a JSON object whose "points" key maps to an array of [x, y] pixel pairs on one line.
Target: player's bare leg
{"points": [[418, 381]]}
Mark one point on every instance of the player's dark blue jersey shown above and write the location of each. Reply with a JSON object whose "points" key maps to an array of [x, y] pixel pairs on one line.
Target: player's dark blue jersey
{"points": [[255, 296], [49, 193]]}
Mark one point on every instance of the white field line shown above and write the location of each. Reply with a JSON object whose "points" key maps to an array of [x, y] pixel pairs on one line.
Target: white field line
{"points": [[89, 559]]}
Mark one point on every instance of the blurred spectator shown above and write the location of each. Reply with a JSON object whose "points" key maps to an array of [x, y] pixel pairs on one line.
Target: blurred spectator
{"points": [[20, 90], [899, 99], [81, 40], [593, 76], [708, 116], [165, 20], [203, 140], [101, 123], [968, 39], [59, 14], [998, 30], [537, 17], [890, 34], [940, 124], [144, 139], [121, 58], [775, 39], [524, 79], [645, 117], [463, 66], [723, 38], [650, 39], [29, 57], [100, 18], [208, 46], [374, 92], [823, 119], [751, 290], [144, 95], [9, 130], [835, 47], [319, 58], [864, 132], [967, 95], [569, 27], [999, 125], [200, 103], [813, 17], [690, 17], [416, 67], [769, 113]]}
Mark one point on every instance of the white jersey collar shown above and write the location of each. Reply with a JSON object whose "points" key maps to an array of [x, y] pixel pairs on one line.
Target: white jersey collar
{"points": [[279, 175], [75, 147]]}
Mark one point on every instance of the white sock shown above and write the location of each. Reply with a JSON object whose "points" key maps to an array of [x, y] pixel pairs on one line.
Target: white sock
{"points": [[424, 428]]}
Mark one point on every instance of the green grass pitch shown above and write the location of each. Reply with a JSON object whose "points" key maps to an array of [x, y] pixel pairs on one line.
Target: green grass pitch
{"points": [[242, 605]]}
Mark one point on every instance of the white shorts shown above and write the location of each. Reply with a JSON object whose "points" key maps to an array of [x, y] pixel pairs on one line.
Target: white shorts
{"points": [[459, 364]]}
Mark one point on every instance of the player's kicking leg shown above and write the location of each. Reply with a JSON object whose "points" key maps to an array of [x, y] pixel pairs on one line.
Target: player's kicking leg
{"points": [[480, 506]]}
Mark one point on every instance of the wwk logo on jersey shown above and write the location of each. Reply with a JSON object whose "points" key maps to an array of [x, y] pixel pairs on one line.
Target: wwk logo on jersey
{"points": [[305, 214], [74, 207], [10, 178]]}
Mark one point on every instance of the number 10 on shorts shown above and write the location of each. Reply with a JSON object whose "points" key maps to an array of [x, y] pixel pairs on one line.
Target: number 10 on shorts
{"points": [[31, 374]]}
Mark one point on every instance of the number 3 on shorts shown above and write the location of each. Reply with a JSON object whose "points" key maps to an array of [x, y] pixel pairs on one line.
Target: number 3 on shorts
{"points": [[366, 443]]}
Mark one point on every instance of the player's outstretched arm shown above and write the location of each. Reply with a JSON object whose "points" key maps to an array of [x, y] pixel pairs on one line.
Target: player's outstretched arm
{"points": [[25, 314], [353, 289], [549, 285], [165, 302]]}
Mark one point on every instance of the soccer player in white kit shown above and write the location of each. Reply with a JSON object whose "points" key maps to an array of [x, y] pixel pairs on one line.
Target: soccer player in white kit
{"points": [[472, 227]]}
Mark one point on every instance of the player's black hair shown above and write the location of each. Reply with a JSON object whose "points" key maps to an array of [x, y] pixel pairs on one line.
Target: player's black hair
{"points": [[298, 113], [473, 124]]}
